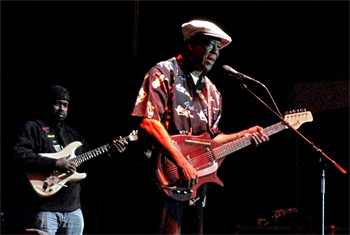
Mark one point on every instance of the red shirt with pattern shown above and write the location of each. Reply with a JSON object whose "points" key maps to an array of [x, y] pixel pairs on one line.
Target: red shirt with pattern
{"points": [[169, 95]]}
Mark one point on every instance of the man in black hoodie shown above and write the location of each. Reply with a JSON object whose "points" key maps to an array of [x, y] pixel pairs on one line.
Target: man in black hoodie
{"points": [[60, 212]]}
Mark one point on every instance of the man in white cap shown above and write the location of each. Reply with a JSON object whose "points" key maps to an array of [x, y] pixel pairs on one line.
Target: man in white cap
{"points": [[177, 97]]}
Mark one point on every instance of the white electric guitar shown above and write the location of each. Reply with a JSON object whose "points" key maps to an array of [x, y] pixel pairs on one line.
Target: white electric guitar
{"points": [[46, 186]]}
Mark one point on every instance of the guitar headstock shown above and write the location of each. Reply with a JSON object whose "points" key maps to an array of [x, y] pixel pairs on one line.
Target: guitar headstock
{"points": [[133, 135], [297, 117]]}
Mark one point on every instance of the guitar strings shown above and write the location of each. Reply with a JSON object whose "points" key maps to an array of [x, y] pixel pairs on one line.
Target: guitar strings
{"points": [[206, 158]]}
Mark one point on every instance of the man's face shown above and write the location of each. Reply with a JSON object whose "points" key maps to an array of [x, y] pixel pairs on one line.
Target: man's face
{"points": [[205, 53], [60, 108]]}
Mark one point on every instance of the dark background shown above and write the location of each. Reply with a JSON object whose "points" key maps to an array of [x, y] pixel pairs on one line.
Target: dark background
{"points": [[101, 50]]}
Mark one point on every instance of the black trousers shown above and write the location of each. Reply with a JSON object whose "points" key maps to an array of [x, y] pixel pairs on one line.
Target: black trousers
{"points": [[183, 217]]}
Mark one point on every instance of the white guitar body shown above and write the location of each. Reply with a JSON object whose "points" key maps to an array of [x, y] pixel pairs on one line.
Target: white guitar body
{"points": [[47, 186]]}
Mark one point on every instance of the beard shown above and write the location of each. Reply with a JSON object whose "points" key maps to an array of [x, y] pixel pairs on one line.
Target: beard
{"points": [[59, 117]]}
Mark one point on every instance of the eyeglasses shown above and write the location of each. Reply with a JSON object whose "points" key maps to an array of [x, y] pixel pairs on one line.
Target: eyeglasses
{"points": [[209, 46]]}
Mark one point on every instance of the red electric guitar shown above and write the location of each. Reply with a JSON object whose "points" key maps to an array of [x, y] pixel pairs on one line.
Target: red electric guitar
{"points": [[206, 156]]}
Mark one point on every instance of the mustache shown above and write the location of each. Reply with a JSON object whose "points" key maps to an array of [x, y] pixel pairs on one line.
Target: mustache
{"points": [[58, 113]]}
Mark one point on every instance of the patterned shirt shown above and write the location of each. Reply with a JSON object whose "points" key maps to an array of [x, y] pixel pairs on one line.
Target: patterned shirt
{"points": [[169, 95]]}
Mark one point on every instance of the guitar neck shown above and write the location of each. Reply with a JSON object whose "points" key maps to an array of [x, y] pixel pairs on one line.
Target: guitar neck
{"points": [[93, 153], [233, 146]]}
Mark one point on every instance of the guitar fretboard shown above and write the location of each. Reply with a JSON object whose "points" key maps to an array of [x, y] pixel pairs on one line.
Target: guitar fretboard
{"points": [[94, 153], [91, 154], [236, 145]]}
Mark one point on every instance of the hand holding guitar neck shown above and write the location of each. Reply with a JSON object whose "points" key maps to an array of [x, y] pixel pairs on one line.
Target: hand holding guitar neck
{"points": [[118, 145], [257, 135]]}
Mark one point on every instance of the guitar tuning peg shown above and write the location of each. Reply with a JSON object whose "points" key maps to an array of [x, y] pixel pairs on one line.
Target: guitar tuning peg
{"points": [[304, 109], [293, 110]]}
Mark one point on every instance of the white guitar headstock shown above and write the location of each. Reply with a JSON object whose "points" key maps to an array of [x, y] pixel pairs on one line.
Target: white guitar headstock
{"points": [[297, 117]]}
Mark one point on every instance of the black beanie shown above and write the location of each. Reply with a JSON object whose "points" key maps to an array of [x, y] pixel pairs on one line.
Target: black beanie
{"points": [[58, 93]]}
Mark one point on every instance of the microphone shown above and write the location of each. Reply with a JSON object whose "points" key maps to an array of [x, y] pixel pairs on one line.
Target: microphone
{"points": [[240, 76]]}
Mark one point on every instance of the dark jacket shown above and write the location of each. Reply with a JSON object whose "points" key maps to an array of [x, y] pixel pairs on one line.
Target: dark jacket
{"points": [[33, 140]]}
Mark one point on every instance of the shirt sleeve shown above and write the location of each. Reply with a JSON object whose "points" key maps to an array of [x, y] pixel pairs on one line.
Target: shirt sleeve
{"points": [[153, 95], [27, 147]]}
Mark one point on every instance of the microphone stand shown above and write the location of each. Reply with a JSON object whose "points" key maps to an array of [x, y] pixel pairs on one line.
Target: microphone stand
{"points": [[323, 174]]}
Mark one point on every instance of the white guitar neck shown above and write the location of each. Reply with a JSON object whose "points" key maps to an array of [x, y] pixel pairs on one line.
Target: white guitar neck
{"points": [[89, 155]]}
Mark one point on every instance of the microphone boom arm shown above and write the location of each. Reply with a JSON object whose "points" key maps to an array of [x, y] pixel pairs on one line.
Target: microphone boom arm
{"points": [[280, 116]]}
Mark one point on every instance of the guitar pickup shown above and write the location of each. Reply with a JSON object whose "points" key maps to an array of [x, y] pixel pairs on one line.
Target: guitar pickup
{"points": [[197, 142]]}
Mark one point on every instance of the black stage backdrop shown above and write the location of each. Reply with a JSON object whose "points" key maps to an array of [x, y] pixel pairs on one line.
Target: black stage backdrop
{"points": [[101, 50]]}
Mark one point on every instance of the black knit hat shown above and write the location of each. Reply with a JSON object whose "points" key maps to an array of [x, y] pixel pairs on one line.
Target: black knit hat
{"points": [[58, 92]]}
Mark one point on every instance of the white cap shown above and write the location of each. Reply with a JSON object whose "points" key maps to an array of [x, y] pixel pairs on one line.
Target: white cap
{"points": [[207, 28]]}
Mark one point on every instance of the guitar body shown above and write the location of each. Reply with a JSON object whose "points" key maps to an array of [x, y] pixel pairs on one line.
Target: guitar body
{"points": [[198, 151], [46, 186]]}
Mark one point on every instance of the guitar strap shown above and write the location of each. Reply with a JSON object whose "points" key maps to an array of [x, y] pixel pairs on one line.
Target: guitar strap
{"points": [[49, 135]]}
